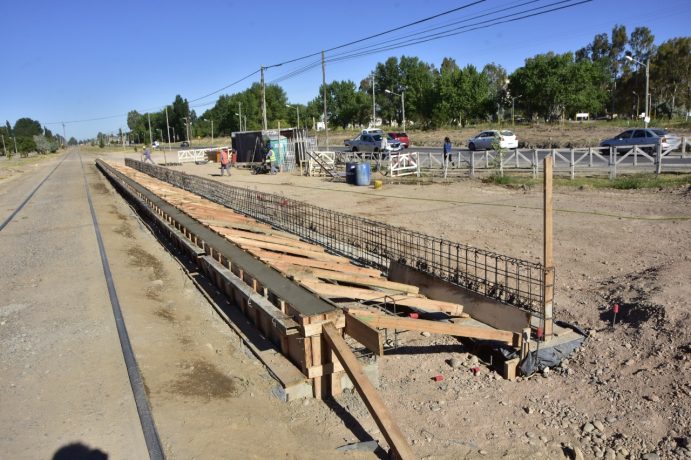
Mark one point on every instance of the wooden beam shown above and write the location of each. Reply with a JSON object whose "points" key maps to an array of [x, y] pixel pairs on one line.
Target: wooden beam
{"points": [[413, 301], [393, 434], [380, 282], [285, 260], [366, 335], [436, 327]]}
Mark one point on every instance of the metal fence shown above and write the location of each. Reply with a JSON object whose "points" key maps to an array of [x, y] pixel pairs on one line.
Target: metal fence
{"points": [[510, 280]]}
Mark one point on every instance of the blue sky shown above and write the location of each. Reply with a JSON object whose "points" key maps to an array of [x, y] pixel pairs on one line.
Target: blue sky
{"points": [[93, 60]]}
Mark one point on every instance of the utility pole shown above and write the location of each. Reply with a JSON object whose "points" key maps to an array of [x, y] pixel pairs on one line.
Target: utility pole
{"points": [[64, 139], [15, 144], [264, 123], [151, 139], [4, 149], [326, 121], [374, 107], [240, 115], [167, 130]]}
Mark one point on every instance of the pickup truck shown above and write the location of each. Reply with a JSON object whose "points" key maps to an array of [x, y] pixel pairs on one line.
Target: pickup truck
{"points": [[373, 142]]}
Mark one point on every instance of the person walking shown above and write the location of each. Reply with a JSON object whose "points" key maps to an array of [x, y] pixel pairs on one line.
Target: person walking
{"points": [[447, 150], [147, 156], [271, 160], [225, 162]]}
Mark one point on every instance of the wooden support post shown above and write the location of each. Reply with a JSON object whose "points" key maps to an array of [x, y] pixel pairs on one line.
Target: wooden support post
{"points": [[393, 434], [548, 250]]}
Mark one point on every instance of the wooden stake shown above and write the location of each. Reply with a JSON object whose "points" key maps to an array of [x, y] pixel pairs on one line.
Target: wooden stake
{"points": [[393, 434]]}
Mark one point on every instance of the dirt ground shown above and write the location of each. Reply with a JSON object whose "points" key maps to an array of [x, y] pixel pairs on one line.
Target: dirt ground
{"points": [[625, 394]]}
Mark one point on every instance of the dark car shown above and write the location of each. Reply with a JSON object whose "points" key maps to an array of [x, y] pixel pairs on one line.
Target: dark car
{"points": [[646, 138], [402, 138], [184, 144]]}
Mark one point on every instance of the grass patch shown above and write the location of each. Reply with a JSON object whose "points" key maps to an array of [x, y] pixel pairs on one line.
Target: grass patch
{"points": [[628, 182]]}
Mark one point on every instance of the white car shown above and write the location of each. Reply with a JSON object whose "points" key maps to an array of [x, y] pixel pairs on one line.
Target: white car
{"points": [[373, 142], [488, 140]]}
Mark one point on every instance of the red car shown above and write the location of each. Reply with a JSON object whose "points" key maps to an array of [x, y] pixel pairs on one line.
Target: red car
{"points": [[402, 138]]}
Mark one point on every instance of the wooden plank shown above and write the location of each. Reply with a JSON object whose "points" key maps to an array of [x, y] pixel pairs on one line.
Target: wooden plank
{"points": [[250, 245], [413, 301], [284, 260], [277, 239], [353, 279], [436, 327], [314, 327], [366, 335], [393, 434], [254, 227]]}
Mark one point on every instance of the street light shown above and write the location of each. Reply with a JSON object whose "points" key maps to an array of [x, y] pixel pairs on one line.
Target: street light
{"points": [[402, 95], [646, 118], [513, 105], [212, 130], [187, 129], [242, 117], [297, 108]]}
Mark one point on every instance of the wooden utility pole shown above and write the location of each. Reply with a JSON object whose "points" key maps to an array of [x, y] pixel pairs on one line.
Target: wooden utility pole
{"points": [[548, 247], [264, 123], [326, 121]]}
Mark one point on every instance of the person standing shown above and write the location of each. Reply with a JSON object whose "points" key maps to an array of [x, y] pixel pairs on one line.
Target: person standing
{"points": [[447, 150], [225, 162], [271, 160]]}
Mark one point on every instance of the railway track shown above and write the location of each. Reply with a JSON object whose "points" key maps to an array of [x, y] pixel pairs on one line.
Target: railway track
{"points": [[148, 426]]}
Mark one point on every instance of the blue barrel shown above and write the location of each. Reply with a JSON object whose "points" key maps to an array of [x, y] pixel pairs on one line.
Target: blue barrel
{"points": [[350, 172], [362, 174]]}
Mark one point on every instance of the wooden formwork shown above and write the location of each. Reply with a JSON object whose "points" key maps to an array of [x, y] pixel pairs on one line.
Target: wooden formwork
{"points": [[260, 268]]}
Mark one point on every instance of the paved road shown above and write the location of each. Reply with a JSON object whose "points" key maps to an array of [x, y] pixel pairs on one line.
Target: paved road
{"points": [[62, 374]]}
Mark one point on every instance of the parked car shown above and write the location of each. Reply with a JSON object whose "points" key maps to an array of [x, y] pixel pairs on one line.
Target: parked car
{"points": [[373, 142], [646, 138], [488, 140], [402, 138], [184, 144]]}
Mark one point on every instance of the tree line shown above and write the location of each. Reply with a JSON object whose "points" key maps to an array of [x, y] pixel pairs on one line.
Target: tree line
{"points": [[28, 135], [597, 79]]}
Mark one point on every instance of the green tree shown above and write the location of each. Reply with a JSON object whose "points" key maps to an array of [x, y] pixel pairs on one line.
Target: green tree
{"points": [[670, 73], [27, 128]]}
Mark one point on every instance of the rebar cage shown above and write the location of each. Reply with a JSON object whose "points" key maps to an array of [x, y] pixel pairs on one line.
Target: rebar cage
{"points": [[507, 279]]}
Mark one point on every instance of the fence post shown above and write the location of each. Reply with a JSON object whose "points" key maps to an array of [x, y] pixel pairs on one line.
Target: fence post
{"points": [[659, 159], [548, 258], [472, 164], [683, 147], [501, 163], [536, 164], [573, 166]]}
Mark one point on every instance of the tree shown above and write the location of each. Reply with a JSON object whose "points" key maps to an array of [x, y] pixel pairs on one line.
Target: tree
{"points": [[670, 71], [26, 127], [72, 141], [43, 144]]}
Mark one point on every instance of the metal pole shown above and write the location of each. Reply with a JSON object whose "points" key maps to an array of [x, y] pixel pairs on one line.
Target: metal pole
{"points": [[403, 104], [326, 121], [374, 107], [298, 110], [265, 124], [64, 139], [548, 248], [240, 116], [151, 139], [212, 132], [167, 129], [647, 92]]}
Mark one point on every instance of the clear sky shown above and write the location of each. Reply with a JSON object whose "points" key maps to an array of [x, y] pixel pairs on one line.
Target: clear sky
{"points": [[93, 60]]}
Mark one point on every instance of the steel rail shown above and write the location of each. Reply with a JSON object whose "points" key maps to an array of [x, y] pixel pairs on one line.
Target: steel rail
{"points": [[153, 442]]}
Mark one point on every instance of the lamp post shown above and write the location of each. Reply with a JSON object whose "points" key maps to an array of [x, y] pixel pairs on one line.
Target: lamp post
{"points": [[513, 106], [212, 130], [241, 118], [646, 118], [297, 108], [187, 129], [402, 96]]}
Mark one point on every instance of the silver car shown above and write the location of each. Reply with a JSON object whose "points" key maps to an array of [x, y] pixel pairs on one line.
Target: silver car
{"points": [[373, 142], [646, 138], [488, 140]]}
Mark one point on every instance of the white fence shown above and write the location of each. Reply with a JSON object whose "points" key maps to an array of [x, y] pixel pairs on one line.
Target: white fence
{"points": [[404, 164], [197, 155]]}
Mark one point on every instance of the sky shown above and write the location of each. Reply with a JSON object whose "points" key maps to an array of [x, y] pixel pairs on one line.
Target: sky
{"points": [[88, 63]]}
